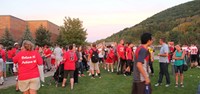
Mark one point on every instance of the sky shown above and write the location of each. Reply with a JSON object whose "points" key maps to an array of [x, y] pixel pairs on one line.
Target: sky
{"points": [[101, 18]]}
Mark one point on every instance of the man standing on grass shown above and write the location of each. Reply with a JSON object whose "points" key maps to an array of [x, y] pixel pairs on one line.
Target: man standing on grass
{"points": [[164, 62], [141, 82]]}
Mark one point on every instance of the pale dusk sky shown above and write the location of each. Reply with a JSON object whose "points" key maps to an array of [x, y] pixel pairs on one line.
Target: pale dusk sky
{"points": [[101, 18]]}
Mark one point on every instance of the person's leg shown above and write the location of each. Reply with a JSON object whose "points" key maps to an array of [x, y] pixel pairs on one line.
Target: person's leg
{"points": [[31, 91], [65, 78], [96, 67], [122, 62], [160, 73], [112, 68], [76, 75], [92, 69], [26, 92], [167, 73], [72, 79], [108, 65], [176, 74], [151, 67], [49, 63]]}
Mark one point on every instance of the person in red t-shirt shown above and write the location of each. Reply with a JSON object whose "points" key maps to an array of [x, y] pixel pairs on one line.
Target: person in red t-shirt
{"points": [[110, 59], [28, 72], [2, 61], [121, 56], [129, 58], [93, 56], [70, 59], [47, 55]]}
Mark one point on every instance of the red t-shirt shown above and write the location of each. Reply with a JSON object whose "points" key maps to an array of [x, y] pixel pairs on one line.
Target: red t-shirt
{"points": [[3, 55], [129, 52], [110, 56], [10, 54], [28, 62], [121, 51], [70, 60], [47, 52]]}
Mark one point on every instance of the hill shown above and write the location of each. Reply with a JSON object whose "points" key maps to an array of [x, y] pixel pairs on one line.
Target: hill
{"points": [[180, 24]]}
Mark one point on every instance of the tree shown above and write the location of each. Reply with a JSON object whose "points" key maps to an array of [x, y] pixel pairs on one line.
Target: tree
{"points": [[60, 39], [43, 36], [27, 35], [73, 31], [7, 39]]}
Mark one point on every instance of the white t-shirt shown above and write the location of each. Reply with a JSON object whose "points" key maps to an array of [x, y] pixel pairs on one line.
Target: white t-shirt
{"points": [[58, 53], [193, 50]]}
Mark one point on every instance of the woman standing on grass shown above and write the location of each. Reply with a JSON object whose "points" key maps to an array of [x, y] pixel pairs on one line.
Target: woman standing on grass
{"points": [[110, 59], [28, 73], [178, 64]]}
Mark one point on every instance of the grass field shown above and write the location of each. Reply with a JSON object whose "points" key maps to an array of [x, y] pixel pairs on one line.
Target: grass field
{"points": [[110, 83]]}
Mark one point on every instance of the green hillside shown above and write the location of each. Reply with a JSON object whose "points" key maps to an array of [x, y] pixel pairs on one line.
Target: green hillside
{"points": [[180, 24]]}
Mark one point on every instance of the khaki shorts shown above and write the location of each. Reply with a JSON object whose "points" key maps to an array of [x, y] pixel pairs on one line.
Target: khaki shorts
{"points": [[25, 85], [1, 64], [94, 66]]}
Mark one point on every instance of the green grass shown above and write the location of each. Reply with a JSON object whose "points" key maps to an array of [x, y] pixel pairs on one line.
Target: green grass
{"points": [[110, 83]]}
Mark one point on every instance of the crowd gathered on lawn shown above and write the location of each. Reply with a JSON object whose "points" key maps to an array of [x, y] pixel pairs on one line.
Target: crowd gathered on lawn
{"points": [[26, 60]]}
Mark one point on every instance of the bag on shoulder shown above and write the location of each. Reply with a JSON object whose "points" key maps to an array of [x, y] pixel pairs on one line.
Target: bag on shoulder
{"points": [[94, 57]]}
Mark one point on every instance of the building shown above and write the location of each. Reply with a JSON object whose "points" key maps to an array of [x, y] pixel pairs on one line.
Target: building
{"points": [[17, 26]]}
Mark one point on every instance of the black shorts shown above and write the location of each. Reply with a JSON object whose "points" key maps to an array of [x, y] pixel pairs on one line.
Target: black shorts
{"points": [[139, 88], [178, 69], [193, 58], [122, 61], [129, 63], [68, 72]]}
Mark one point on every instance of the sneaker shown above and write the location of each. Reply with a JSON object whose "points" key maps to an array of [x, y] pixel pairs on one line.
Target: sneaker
{"points": [[96, 74], [182, 85], [92, 78], [108, 70], [5, 79], [112, 70], [158, 84], [176, 85], [99, 76], [167, 85], [89, 74], [125, 75]]}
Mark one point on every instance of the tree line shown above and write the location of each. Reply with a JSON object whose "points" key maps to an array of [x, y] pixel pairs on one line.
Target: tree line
{"points": [[72, 32]]}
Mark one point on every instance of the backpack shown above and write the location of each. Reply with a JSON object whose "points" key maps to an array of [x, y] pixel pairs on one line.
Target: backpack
{"points": [[95, 56]]}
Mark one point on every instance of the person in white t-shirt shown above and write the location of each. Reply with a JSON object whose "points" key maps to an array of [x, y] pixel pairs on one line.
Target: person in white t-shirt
{"points": [[58, 55], [193, 53]]}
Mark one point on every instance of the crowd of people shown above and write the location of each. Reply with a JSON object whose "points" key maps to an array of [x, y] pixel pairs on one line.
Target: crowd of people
{"points": [[123, 58]]}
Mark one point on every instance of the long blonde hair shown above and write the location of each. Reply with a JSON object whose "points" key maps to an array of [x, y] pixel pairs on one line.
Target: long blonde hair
{"points": [[28, 45]]}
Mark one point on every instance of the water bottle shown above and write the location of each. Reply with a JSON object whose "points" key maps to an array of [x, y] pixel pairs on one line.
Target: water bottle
{"points": [[147, 89]]}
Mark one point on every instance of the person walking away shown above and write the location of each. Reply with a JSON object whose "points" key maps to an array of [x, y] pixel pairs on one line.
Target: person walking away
{"points": [[129, 58], [28, 75], [179, 56], [141, 81], [58, 55], [70, 59], [93, 57], [193, 54], [47, 55], [2, 61], [164, 62]]}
